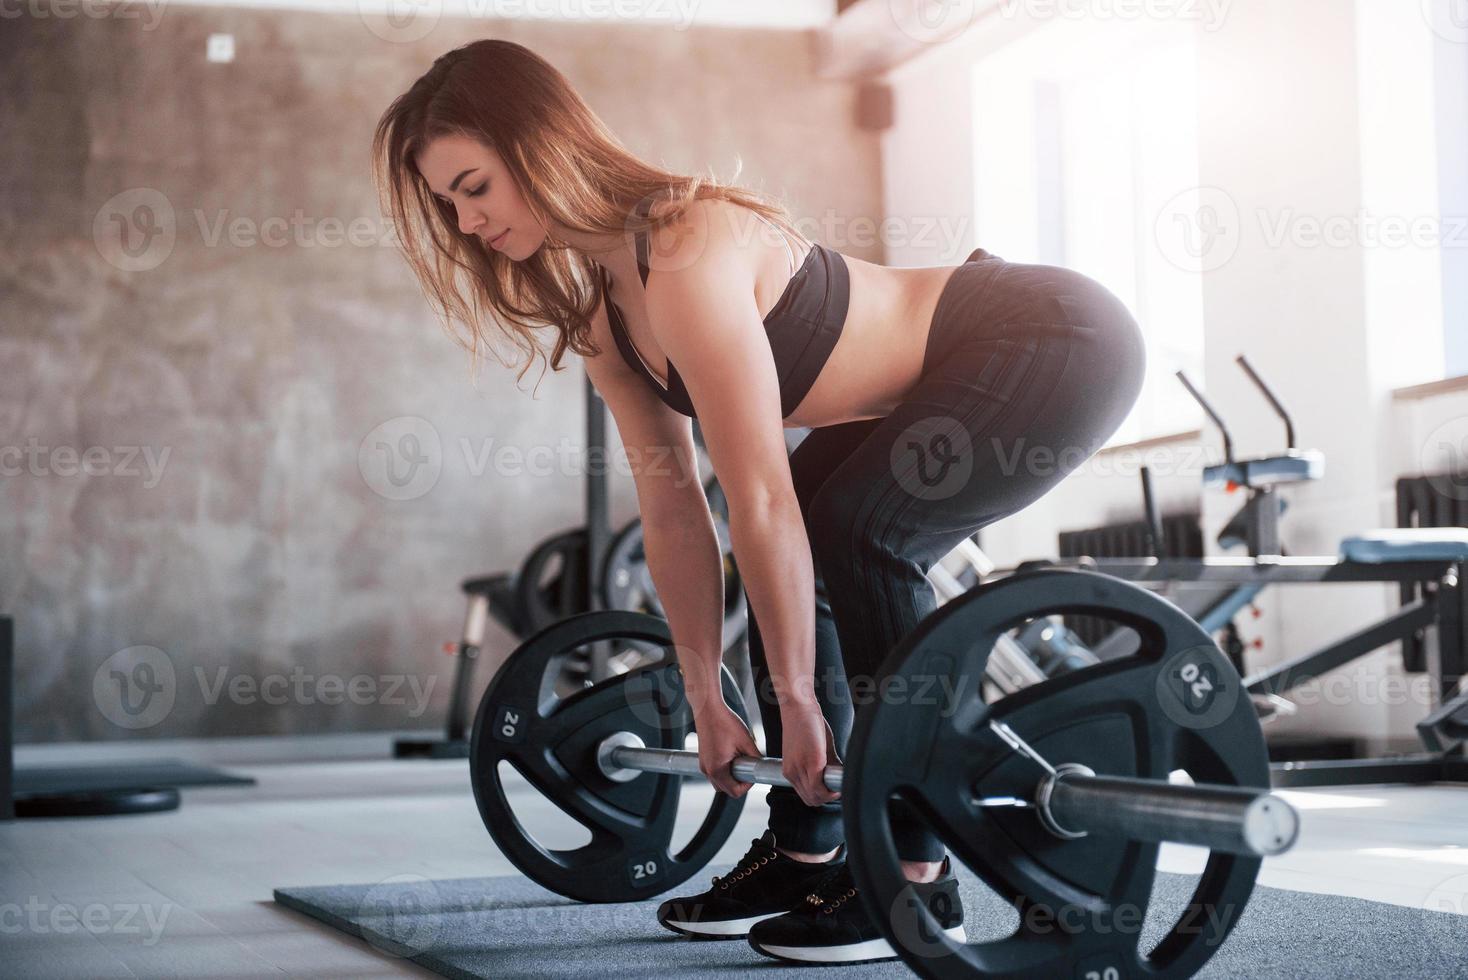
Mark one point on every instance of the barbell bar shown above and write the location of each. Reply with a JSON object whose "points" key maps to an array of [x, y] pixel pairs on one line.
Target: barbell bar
{"points": [[622, 756], [1220, 818], [1071, 801]]}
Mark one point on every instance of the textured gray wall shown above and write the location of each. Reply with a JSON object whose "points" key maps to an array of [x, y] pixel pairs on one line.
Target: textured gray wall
{"points": [[192, 427]]}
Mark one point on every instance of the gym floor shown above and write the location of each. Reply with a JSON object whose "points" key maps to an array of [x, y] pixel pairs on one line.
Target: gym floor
{"points": [[260, 512], [205, 872]]}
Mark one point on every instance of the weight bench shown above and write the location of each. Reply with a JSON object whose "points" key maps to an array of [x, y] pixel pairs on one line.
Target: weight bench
{"points": [[1446, 729], [1426, 563]]}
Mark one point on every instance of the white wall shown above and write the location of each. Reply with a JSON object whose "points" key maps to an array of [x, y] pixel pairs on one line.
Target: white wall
{"points": [[1450, 61], [796, 14], [1310, 113]]}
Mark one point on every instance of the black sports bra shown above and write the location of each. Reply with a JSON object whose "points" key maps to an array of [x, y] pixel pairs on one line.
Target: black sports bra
{"points": [[802, 327]]}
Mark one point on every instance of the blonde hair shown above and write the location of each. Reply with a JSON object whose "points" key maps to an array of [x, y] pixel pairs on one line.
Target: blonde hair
{"points": [[570, 171]]}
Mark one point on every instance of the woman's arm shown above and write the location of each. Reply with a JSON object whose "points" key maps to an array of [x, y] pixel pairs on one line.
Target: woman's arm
{"points": [[683, 552], [682, 547], [700, 299]]}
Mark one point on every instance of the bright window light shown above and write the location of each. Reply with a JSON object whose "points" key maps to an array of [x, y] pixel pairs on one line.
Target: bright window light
{"points": [[1084, 134]]}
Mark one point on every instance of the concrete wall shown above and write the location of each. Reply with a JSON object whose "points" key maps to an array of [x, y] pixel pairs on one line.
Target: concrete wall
{"points": [[1309, 112], [242, 461]]}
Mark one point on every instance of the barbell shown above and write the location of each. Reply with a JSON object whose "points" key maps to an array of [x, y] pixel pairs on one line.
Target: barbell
{"points": [[1066, 797], [1058, 796]]}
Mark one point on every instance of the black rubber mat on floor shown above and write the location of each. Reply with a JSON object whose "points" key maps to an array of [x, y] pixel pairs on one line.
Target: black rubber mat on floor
{"points": [[496, 928]]}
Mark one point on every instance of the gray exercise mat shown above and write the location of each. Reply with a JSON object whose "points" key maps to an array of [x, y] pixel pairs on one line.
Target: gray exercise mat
{"points": [[499, 928]]}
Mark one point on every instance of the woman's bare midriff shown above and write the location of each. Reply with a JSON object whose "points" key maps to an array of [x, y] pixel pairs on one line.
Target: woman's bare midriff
{"points": [[879, 355]]}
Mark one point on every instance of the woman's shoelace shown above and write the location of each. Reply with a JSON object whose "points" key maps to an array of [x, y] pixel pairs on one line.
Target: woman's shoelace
{"points": [[757, 858], [833, 890]]}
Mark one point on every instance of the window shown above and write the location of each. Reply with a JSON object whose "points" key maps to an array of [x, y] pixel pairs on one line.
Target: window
{"points": [[1086, 134], [1451, 65]]}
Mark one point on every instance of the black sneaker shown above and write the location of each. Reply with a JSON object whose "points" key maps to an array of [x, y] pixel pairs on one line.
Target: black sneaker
{"points": [[764, 883], [832, 926]]}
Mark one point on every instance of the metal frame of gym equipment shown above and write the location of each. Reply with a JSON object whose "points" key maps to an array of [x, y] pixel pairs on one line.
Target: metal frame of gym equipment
{"points": [[492, 595], [1438, 605], [1438, 602], [7, 718]]}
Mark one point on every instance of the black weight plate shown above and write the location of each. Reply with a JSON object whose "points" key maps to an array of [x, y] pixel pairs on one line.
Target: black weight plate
{"points": [[551, 741], [1176, 704], [549, 586], [627, 582]]}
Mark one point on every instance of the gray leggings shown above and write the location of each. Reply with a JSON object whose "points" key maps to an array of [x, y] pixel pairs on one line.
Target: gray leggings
{"points": [[1028, 371]]}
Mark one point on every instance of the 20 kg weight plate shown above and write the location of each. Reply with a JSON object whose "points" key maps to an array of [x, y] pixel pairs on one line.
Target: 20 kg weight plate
{"points": [[1176, 704], [551, 741]]}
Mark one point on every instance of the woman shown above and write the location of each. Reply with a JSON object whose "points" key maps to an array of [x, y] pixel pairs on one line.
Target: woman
{"points": [[940, 400]]}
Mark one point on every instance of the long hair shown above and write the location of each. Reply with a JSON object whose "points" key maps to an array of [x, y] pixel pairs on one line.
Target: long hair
{"points": [[571, 172]]}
